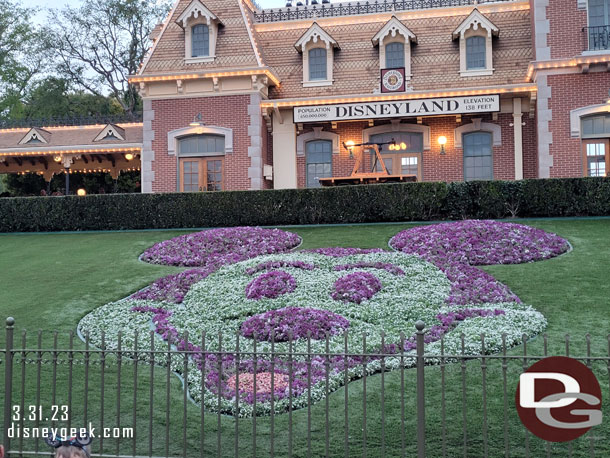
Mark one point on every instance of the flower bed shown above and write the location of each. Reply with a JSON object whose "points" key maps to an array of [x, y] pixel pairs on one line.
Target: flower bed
{"points": [[210, 250], [456, 247], [216, 247], [293, 323], [271, 285], [319, 301]]}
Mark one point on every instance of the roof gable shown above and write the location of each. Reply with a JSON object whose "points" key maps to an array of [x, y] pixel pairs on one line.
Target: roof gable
{"points": [[394, 27], [35, 135], [111, 132], [235, 48], [474, 21], [195, 10], [315, 33]]}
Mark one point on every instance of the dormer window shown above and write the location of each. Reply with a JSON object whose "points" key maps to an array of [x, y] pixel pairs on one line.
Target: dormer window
{"points": [[476, 50], [395, 55], [476, 34], [110, 132], [317, 47], [35, 136], [394, 41], [200, 31], [201, 41], [318, 68]]}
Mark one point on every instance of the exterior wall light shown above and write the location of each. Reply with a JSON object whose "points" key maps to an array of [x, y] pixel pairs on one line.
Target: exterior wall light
{"points": [[57, 158], [81, 192], [197, 121], [442, 140], [349, 145], [129, 156]]}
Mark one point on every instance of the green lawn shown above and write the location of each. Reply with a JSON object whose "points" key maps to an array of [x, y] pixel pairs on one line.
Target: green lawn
{"points": [[49, 282]]}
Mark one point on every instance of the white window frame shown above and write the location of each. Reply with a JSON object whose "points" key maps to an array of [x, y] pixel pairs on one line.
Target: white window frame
{"points": [[195, 14], [395, 31], [316, 37], [476, 25], [318, 134], [175, 135], [477, 126]]}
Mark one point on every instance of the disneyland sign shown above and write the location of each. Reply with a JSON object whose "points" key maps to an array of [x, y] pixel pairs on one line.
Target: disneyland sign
{"points": [[399, 109]]}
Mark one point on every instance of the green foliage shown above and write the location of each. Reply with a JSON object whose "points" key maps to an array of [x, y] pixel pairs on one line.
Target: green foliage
{"points": [[345, 204], [93, 183], [100, 43], [20, 55]]}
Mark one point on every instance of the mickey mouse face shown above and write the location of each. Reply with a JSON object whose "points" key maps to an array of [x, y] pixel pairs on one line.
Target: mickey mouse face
{"points": [[292, 316]]}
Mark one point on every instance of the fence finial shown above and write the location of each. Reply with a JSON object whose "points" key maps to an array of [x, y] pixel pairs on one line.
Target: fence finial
{"points": [[10, 321], [420, 325]]}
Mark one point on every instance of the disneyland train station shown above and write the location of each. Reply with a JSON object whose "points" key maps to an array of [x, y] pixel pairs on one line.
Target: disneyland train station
{"points": [[315, 93]]}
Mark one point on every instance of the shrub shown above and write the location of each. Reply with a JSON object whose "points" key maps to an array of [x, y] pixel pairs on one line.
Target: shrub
{"points": [[344, 204]]}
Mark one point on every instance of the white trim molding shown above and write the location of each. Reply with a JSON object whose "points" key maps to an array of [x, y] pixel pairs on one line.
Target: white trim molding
{"points": [[113, 130], [315, 33], [195, 10], [175, 135], [475, 21], [397, 126], [318, 134], [35, 134], [576, 115], [476, 25], [478, 126], [390, 33]]}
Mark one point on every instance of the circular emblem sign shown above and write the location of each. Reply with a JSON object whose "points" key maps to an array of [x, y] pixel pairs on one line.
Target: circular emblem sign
{"points": [[393, 80], [559, 399]]}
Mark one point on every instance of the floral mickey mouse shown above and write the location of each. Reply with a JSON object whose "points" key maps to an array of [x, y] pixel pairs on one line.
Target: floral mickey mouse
{"points": [[306, 306]]}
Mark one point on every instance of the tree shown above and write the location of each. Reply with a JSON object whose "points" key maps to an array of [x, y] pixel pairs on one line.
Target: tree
{"points": [[21, 56], [55, 98], [102, 42]]}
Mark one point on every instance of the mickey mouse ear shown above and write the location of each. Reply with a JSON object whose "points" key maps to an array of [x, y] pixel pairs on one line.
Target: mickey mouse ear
{"points": [[52, 441], [83, 440]]}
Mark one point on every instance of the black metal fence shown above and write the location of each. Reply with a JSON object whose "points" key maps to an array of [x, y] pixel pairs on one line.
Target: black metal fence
{"points": [[597, 38], [435, 405], [354, 8], [64, 121]]}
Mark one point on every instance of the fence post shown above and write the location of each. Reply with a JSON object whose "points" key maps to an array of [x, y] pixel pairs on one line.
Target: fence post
{"points": [[8, 381], [421, 400]]}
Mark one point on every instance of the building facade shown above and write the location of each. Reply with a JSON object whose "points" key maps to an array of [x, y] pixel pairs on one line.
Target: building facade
{"points": [[240, 98]]}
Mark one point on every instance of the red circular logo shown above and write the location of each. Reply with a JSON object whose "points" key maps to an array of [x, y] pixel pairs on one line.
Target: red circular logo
{"points": [[559, 399]]}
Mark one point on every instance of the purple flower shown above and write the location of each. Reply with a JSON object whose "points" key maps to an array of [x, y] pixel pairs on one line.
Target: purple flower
{"points": [[356, 287], [220, 246], [456, 247], [271, 285], [294, 321]]}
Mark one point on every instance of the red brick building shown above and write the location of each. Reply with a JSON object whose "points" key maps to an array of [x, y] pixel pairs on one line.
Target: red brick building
{"points": [[239, 98]]}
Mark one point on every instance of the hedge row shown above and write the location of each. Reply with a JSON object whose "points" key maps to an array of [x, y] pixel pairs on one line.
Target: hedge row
{"points": [[346, 204]]}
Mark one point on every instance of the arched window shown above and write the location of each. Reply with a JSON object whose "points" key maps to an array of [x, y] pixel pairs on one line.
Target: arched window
{"points": [[202, 162], [395, 55], [475, 52], [201, 41], [319, 161], [317, 64], [404, 162], [202, 145], [478, 158]]}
